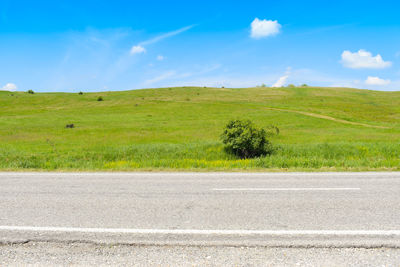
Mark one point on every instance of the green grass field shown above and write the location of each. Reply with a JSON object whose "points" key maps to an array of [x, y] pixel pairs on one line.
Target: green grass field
{"points": [[321, 129]]}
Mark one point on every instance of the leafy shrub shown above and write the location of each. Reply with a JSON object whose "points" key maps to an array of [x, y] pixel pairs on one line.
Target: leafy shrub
{"points": [[80, 93], [30, 92], [100, 98], [272, 130], [70, 126], [245, 140]]}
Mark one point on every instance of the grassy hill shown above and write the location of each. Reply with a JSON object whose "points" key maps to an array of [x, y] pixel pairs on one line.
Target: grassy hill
{"points": [[179, 128]]}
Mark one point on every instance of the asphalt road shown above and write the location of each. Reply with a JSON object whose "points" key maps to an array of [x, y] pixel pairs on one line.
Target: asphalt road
{"points": [[77, 254], [219, 209], [198, 219]]}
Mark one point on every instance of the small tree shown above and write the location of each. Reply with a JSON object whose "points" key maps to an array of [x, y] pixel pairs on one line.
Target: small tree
{"points": [[30, 92], [100, 98], [80, 93], [245, 140]]}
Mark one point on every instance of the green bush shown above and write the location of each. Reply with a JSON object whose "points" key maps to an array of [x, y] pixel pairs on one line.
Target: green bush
{"points": [[30, 92], [244, 139], [80, 93], [100, 98], [272, 130]]}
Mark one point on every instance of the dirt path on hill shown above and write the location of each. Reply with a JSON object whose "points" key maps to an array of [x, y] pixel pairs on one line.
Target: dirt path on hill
{"points": [[329, 118]]}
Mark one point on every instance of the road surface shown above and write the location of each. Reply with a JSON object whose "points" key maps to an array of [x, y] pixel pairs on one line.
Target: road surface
{"points": [[224, 210]]}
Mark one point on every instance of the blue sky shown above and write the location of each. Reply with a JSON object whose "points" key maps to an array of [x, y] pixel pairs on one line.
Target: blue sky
{"points": [[120, 45]]}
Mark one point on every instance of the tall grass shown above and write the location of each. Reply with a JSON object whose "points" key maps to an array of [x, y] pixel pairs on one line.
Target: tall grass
{"points": [[210, 156]]}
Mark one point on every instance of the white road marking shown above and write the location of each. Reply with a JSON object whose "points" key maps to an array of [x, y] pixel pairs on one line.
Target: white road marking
{"points": [[290, 189], [205, 232]]}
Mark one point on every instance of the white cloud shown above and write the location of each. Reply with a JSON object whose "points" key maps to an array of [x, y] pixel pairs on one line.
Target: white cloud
{"points": [[10, 87], [363, 59], [281, 81], [160, 57], [264, 28], [137, 49], [376, 81]]}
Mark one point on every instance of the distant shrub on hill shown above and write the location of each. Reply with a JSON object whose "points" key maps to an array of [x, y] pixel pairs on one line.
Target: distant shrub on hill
{"points": [[245, 140], [100, 98], [272, 130], [30, 92]]}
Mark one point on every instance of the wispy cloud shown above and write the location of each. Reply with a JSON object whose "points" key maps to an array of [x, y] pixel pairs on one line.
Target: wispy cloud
{"points": [[201, 71], [181, 76], [165, 35], [323, 29], [91, 59], [139, 48], [161, 77]]}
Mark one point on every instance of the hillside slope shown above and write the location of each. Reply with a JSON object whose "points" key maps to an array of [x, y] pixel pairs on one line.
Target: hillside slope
{"points": [[179, 128]]}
